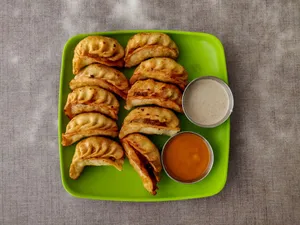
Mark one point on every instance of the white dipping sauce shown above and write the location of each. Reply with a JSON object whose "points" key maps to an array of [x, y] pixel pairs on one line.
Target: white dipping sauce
{"points": [[206, 102]]}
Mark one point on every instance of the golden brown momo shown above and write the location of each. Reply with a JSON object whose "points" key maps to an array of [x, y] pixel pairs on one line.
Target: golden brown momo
{"points": [[145, 159], [88, 124], [150, 120], [91, 99], [97, 49], [148, 45], [96, 151], [161, 69], [102, 76], [150, 92]]}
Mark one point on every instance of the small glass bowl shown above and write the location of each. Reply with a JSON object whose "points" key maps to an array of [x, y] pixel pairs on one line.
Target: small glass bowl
{"points": [[210, 164], [230, 97]]}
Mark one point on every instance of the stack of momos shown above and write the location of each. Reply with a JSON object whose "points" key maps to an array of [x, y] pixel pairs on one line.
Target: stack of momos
{"points": [[158, 80], [92, 106]]}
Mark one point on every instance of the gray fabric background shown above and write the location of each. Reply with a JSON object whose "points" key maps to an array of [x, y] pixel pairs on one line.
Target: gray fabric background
{"points": [[262, 44]]}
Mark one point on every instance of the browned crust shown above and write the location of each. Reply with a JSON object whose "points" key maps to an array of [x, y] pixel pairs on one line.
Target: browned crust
{"points": [[67, 138], [144, 167], [113, 111], [90, 81], [152, 52]]}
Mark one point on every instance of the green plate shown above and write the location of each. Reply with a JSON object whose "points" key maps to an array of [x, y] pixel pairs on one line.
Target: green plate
{"points": [[201, 54]]}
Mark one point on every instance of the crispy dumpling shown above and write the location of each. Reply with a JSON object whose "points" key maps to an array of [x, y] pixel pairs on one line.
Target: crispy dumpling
{"points": [[147, 92], [150, 120], [88, 124], [91, 99], [161, 69], [96, 151], [97, 49], [102, 76], [145, 159], [148, 45]]}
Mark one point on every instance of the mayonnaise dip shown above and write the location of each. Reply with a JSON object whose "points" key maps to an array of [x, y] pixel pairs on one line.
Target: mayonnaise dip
{"points": [[207, 101]]}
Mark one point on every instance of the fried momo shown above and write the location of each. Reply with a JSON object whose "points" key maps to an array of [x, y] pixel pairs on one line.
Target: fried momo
{"points": [[148, 92], [91, 99], [88, 124], [96, 151], [145, 159], [161, 69], [97, 49], [150, 120], [148, 45], [102, 76]]}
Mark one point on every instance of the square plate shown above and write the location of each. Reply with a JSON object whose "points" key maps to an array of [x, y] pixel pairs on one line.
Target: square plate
{"points": [[201, 54]]}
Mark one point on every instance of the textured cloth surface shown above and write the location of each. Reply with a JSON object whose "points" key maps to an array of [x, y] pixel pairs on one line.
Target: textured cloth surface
{"points": [[261, 40]]}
